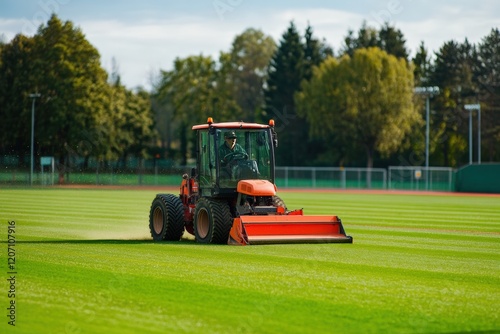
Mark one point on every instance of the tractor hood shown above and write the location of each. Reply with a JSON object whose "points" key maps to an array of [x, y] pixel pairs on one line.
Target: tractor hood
{"points": [[256, 188]]}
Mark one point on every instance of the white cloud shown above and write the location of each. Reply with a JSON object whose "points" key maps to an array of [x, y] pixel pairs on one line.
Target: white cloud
{"points": [[448, 23], [145, 44], [10, 27], [327, 23], [320, 17]]}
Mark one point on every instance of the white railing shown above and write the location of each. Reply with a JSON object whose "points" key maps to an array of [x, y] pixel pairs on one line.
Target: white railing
{"points": [[331, 177], [421, 178]]}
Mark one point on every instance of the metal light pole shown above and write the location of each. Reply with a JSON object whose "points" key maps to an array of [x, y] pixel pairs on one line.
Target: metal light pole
{"points": [[470, 137], [428, 92], [472, 107], [478, 133], [33, 96]]}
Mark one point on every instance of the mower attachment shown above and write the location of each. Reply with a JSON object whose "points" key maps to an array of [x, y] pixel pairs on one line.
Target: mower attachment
{"points": [[291, 228]]}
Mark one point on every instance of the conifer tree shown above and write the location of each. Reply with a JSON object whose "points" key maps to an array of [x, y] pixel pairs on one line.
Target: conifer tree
{"points": [[286, 71]]}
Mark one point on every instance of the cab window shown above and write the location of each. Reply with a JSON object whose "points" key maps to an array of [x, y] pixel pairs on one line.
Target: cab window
{"points": [[207, 160], [254, 164]]}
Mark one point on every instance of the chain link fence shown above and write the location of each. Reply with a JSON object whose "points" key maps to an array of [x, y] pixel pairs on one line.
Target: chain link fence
{"points": [[15, 170], [331, 177]]}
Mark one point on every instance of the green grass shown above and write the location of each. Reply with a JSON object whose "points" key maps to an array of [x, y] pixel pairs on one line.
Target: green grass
{"points": [[418, 264]]}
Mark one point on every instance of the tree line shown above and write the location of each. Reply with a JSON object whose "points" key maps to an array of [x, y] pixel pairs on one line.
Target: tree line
{"points": [[352, 107], [82, 112]]}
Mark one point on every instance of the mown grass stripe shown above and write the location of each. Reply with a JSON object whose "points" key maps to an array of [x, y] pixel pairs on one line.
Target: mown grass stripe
{"points": [[88, 264]]}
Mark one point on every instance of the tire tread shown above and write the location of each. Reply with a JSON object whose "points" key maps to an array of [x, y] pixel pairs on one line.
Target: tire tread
{"points": [[174, 225]]}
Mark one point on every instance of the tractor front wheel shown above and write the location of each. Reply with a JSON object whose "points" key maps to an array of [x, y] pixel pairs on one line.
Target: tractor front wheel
{"points": [[212, 221], [277, 201], [166, 218]]}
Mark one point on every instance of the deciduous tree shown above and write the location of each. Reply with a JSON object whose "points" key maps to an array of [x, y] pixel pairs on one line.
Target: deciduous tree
{"points": [[190, 88], [364, 101], [246, 70], [17, 81], [74, 92]]}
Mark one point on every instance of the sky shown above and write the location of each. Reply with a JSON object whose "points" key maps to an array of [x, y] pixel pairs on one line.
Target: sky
{"points": [[146, 36]]}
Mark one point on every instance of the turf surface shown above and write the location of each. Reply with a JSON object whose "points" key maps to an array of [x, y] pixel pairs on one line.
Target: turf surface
{"points": [[418, 264]]}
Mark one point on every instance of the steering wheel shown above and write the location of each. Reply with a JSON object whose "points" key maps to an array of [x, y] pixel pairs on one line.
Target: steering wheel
{"points": [[235, 156]]}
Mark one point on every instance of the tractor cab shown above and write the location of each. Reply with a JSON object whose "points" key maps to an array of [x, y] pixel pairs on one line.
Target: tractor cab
{"points": [[222, 161]]}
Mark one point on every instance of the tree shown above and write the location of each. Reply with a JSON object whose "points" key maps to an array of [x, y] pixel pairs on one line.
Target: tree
{"points": [[17, 80], [284, 76], [315, 51], [165, 123], [245, 67], [422, 66], [487, 76], [2, 45], [115, 77], [138, 122], [392, 41], [79, 115], [365, 101], [291, 64], [74, 92], [226, 91], [190, 89], [367, 37], [452, 72], [388, 38], [131, 129]]}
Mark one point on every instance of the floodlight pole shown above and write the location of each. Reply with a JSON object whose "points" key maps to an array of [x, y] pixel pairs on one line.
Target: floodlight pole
{"points": [[478, 133], [428, 92], [470, 108], [33, 96], [470, 137], [427, 132]]}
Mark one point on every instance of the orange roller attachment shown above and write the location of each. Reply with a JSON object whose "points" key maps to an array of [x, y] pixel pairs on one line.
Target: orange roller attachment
{"points": [[273, 229]]}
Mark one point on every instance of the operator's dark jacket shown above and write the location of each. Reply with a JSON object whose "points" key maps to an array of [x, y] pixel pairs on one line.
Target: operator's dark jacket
{"points": [[225, 150]]}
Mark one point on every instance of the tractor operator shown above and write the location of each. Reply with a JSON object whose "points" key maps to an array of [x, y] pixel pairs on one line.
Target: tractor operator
{"points": [[230, 148]]}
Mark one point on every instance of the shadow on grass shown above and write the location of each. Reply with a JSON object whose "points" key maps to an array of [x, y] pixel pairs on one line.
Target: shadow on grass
{"points": [[106, 242]]}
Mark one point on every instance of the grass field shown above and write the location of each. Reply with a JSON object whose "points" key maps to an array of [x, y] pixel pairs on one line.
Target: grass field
{"points": [[418, 264]]}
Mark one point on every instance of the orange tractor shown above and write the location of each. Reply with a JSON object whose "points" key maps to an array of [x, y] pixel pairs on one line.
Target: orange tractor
{"points": [[230, 197]]}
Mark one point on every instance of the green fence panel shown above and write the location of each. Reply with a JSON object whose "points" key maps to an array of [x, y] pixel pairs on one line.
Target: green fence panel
{"points": [[484, 178]]}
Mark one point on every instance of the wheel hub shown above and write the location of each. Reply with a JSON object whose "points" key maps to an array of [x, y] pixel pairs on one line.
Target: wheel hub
{"points": [[158, 220], [202, 223]]}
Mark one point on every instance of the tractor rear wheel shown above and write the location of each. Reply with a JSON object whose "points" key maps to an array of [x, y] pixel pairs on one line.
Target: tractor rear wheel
{"points": [[166, 218], [212, 221]]}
